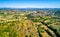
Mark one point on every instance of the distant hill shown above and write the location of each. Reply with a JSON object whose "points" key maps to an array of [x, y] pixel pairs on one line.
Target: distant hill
{"points": [[50, 11], [30, 9]]}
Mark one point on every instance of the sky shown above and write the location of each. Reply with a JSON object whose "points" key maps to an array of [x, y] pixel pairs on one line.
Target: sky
{"points": [[29, 3]]}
